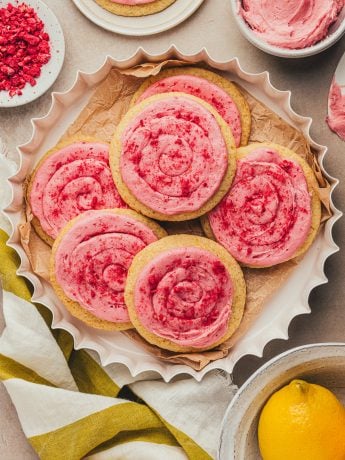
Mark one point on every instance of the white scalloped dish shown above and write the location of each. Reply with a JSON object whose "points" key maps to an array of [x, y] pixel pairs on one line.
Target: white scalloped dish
{"points": [[115, 347]]}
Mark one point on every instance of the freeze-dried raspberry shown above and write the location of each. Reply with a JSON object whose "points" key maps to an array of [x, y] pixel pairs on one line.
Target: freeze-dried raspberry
{"points": [[24, 47]]}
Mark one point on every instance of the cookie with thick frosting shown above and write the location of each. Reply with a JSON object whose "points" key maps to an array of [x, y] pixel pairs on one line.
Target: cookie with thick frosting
{"points": [[89, 264], [217, 91], [134, 7], [185, 293], [272, 211], [172, 157], [71, 178]]}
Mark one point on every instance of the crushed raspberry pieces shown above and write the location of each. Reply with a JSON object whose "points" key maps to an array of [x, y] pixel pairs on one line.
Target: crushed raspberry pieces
{"points": [[218, 268], [94, 202], [287, 166], [152, 281], [136, 158], [216, 103], [208, 320], [185, 187], [24, 48]]}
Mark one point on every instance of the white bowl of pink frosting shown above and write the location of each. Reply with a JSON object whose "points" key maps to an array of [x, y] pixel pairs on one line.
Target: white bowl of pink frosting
{"points": [[291, 28]]}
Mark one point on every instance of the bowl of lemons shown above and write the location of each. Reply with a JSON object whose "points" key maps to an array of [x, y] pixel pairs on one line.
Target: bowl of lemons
{"points": [[292, 408]]}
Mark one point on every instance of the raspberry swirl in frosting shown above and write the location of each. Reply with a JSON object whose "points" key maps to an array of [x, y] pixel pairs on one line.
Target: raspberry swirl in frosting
{"points": [[204, 89], [266, 216], [91, 258], [172, 156], [69, 181], [185, 295]]}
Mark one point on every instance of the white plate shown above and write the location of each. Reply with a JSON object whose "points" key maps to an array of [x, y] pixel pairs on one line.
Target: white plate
{"points": [[176, 13], [114, 347], [322, 363], [49, 71]]}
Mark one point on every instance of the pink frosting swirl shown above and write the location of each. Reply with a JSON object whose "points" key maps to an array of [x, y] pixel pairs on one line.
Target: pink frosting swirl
{"points": [[185, 295], [93, 257], [292, 24], [72, 180], [174, 156], [209, 92], [266, 216]]}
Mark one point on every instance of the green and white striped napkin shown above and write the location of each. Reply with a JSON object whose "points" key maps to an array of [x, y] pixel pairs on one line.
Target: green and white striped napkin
{"points": [[71, 407]]}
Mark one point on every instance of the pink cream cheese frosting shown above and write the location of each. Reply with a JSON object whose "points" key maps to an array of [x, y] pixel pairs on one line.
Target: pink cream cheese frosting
{"points": [[292, 24], [72, 180], [209, 92], [266, 216], [174, 156], [185, 295], [336, 110], [93, 257]]}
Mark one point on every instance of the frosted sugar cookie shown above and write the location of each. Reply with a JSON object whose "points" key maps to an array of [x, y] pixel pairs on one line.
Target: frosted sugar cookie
{"points": [[71, 178], [185, 293], [272, 211], [172, 157], [134, 7], [89, 264], [219, 92]]}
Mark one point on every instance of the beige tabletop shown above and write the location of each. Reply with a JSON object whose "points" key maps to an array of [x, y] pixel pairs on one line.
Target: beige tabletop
{"points": [[211, 27]]}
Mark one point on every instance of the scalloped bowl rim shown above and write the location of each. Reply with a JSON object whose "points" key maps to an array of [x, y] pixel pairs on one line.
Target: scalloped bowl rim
{"points": [[169, 370]]}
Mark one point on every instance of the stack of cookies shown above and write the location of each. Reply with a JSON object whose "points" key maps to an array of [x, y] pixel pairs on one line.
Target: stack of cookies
{"points": [[179, 153]]}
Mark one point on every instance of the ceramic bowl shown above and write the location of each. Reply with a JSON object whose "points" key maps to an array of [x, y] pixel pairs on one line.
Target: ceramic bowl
{"points": [[51, 69], [115, 347], [323, 364], [336, 31]]}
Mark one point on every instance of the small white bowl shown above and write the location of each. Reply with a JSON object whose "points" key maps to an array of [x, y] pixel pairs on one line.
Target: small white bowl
{"points": [[50, 70], [336, 31], [322, 363]]}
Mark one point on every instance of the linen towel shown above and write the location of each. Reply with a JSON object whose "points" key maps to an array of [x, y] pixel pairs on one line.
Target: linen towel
{"points": [[71, 407]]}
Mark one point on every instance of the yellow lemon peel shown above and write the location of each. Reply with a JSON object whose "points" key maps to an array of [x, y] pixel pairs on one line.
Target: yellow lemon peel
{"points": [[302, 421]]}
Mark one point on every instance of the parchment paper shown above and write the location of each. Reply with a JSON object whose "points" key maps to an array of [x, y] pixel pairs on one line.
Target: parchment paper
{"points": [[99, 119]]}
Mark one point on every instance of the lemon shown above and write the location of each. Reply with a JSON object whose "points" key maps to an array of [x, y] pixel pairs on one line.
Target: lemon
{"points": [[302, 421]]}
